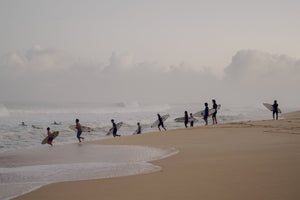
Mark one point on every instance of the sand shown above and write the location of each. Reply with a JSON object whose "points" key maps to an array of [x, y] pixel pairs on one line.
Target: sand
{"points": [[236, 161]]}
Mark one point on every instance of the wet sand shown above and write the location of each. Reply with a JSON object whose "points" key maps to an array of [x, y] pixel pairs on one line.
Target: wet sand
{"points": [[244, 160]]}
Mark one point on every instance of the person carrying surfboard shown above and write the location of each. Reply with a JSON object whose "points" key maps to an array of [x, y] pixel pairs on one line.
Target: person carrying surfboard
{"points": [[186, 118], [214, 115], [192, 120], [50, 138], [206, 113], [139, 130], [115, 129], [79, 131], [161, 123], [275, 109]]}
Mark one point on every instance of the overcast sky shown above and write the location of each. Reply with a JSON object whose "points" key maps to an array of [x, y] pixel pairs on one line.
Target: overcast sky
{"points": [[179, 50]]}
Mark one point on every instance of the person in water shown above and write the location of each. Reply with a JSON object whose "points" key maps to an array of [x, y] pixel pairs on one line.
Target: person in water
{"points": [[206, 113], [79, 131], [50, 137], [275, 110], [192, 120], [186, 118], [214, 115], [115, 129], [161, 123], [139, 130]]}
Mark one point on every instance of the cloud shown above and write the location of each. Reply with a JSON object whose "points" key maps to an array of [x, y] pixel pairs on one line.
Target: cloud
{"points": [[249, 65], [48, 74]]}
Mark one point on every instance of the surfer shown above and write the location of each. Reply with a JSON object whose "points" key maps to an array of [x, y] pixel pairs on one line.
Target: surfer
{"points": [[206, 113], [214, 115], [50, 138], [161, 123], [275, 109], [139, 130], [186, 118], [115, 129], [79, 131], [192, 120], [23, 124]]}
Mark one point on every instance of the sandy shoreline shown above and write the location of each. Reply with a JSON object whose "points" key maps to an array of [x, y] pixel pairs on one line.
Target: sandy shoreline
{"points": [[244, 160]]}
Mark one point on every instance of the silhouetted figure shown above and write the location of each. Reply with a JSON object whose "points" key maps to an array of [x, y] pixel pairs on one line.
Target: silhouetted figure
{"points": [[214, 115], [275, 110], [161, 123], [50, 138], [206, 113], [192, 120], [115, 129], [79, 131], [186, 118], [139, 130]]}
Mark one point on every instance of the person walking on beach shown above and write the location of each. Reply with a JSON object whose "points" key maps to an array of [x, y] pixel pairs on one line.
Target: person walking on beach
{"points": [[206, 113], [50, 138], [275, 110], [214, 115], [192, 120], [161, 123], [115, 129], [79, 131], [139, 129], [186, 118]]}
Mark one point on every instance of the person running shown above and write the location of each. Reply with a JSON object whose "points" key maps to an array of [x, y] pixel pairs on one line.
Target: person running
{"points": [[206, 113], [79, 131], [186, 118], [214, 115], [275, 109], [139, 129], [50, 137], [115, 129], [192, 120], [161, 123]]}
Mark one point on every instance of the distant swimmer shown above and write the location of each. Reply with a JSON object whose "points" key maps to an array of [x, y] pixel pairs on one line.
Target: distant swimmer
{"points": [[186, 119], [23, 124], [206, 113], [275, 110], [79, 130], [139, 129], [214, 115], [50, 138], [192, 120], [115, 128], [161, 123], [55, 123], [36, 127]]}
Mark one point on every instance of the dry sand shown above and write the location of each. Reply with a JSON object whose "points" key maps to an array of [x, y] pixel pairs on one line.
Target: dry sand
{"points": [[237, 161]]}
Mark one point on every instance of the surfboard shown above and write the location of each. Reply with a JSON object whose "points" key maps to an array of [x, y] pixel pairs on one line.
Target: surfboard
{"points": [[182, 119], [164, 118], [118, 127], [83, 128], [210, 112], [54, 135], [270, 107]]}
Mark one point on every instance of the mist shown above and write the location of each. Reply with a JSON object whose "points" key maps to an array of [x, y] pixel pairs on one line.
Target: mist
{"points": [[50, 75]]}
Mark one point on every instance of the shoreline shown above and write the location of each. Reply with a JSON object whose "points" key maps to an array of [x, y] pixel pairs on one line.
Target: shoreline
{"points": [[197, 153]]}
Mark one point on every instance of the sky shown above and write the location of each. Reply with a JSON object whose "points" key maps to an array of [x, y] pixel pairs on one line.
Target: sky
{"points": [[150, 51]]}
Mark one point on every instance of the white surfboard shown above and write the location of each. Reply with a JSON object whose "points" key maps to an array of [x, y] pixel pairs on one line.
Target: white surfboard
{"points": [[182, 119], [270, 107], [164, 118], [118, 127], [210, 112], [83, 128]]}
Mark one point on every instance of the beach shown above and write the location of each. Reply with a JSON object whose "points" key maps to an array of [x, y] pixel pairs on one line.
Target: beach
{"points": [[241, 160]]}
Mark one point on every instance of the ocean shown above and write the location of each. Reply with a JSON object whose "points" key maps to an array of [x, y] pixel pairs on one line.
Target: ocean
{"points": [[26, 164]]}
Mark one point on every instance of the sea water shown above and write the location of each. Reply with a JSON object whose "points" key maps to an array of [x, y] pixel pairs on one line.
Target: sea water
{"points": [[25, 164]]}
